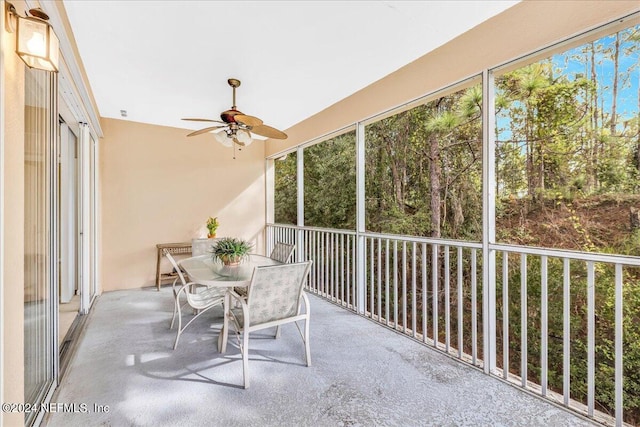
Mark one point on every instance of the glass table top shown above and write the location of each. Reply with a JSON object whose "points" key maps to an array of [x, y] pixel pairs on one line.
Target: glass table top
{"points": [[203, 269]]}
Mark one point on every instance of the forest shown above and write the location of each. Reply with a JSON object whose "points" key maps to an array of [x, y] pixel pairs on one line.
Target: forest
{"points": [[567, 175]]}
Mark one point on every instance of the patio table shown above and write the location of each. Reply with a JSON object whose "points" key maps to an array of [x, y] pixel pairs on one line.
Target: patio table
{"points": [[202, 269]]}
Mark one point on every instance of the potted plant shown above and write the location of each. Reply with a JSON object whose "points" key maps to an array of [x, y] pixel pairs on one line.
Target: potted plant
{"points": [[212, 225], [230, 250]]}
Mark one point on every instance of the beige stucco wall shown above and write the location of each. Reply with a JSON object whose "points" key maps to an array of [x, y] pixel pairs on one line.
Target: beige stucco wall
{"points": [[13, 229], [520, 30], [158, 186]]}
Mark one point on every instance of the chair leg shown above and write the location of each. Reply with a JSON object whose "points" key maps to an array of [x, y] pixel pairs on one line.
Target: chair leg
{"points": [[245, 358], [224, 333], [307, 345], [175, 311], [277, 332], [175, 344]]}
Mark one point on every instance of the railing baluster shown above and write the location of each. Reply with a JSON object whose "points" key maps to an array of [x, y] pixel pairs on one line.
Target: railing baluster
{"points": [[523, 319], [372, 277], [619, 354], [566, 332], [591, 329], [379, 264], [327, 260], [543, 326], [447, 301], [404, 286], [505, 315], [330, 265], [474, 306], [342, 269], [386, 281], [425, 289], [348, 269], [336, 257], [434, 295], [354, 270], [323, 281], [460, 301], [395, 284], [414, 312], [335, 270]]}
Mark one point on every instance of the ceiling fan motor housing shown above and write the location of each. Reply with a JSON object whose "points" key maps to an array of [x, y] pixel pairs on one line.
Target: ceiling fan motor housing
{"points": [[228, 116]]}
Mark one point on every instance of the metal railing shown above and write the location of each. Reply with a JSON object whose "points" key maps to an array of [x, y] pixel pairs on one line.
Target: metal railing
{"points": [[431, 290]]}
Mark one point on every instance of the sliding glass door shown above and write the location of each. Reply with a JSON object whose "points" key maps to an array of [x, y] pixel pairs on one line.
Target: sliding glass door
{"points": [[40, 352]]}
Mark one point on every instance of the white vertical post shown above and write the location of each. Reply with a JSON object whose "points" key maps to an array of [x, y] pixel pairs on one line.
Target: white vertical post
{"points": [[379, 262], [505, 315], [97, 218], [474, 306], [414, 312], [360, 216], [460, 297], [300, 205], [566, 332], [488, 223], [425, 290], [447, 301], [2, 299], [618, 353], [544, 329], [404, 286], [269, 188], [386, 282], [591, 337], [434, 300], [395, 285], [523, 319], [85, 219]]}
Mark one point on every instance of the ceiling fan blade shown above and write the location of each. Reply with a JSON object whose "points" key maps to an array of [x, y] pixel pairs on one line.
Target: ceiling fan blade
{"points": [[269, 132], [205, 130], [203, 120], [242, 144], [247, 120]]}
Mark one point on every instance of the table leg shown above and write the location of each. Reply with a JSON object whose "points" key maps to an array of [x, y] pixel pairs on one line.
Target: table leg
{"points": [[224, 332], [158, 269]]}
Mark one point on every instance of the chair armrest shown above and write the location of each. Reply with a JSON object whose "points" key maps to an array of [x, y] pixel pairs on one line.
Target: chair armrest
{"points": [[186, 287], [243, 304], [307, 306]]}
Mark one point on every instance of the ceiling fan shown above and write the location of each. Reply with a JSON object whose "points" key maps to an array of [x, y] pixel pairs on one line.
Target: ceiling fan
{"points": [[236, 127]]}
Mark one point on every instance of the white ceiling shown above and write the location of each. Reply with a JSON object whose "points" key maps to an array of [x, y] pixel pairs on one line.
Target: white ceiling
{"points": [[163, 60]]}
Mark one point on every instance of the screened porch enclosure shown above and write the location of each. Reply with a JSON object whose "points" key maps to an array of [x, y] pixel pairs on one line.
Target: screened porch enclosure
{"points": [[492, 220]]}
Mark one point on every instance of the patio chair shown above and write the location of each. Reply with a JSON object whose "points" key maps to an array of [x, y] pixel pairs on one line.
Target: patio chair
{"points": [[282, 252], [199, 297], [201, 246], [275, 297]]}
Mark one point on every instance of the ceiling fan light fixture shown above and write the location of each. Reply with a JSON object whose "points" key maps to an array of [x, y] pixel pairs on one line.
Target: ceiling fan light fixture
{"points": [[244, 137], [223, 138]]}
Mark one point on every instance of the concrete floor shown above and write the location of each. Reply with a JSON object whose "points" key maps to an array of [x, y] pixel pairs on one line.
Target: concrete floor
{"points": [[361, 375]]}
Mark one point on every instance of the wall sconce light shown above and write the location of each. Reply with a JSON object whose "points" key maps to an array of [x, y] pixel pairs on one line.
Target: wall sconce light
{"points": [[36, 42]]}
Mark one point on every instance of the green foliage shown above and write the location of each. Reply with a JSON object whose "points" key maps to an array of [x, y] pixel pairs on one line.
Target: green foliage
{"points": [[230, 249], [286, 190], [432, 152], [330, 183]]}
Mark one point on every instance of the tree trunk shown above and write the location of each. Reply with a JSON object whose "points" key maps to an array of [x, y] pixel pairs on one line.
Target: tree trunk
{"points": [[395, 174], [434, 184], [590, 161], [616, 55]]}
